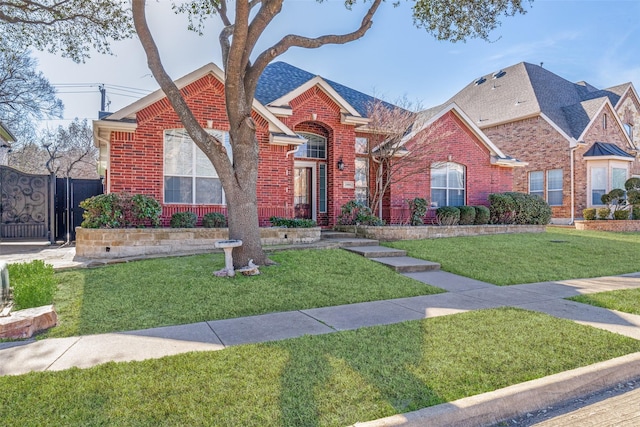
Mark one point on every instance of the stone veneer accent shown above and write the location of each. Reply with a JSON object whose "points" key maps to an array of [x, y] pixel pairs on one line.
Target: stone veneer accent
{"points": [[609, 225], [388, 233], [130, 242]]}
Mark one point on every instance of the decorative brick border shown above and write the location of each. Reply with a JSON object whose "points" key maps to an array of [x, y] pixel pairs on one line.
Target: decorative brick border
{"points": [[609, 225]]}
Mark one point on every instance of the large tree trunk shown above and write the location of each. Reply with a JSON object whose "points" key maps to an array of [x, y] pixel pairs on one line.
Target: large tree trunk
{"points": [[243, 225]]}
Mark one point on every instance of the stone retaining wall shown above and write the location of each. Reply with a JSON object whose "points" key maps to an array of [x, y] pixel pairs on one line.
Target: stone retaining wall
{"points": [[609, 225], [391, 232], [130, 242]]}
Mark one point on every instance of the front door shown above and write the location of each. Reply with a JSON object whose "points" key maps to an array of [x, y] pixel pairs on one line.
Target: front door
{"points": [[303, 192]]}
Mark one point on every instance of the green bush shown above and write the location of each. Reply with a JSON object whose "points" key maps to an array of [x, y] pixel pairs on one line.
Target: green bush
{"points": [[418, 207], [120, 210], [183, 220], [214, 220], [621, 214], [635, 212], [357, 213], [603, 213], [518, 208], [467, 215], [33, 284], [448, 215], [482, 215], [589, 214], [292, 222]]}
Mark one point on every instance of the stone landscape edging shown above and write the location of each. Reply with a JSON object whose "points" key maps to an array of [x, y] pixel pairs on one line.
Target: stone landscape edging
{"points": [[406, 232], [609, 225]]}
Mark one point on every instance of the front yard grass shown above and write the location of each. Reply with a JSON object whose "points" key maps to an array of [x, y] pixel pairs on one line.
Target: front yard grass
{"points": [[625, 300], [172, 291], [324, 380], [509, 259]]}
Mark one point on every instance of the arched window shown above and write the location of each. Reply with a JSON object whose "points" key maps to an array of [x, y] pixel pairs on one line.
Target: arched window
{"points": [[314, 148], [448, 183]]}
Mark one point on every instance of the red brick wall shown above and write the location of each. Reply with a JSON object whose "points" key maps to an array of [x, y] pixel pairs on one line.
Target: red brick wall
{"points": [[136, 163], [448, 138]]}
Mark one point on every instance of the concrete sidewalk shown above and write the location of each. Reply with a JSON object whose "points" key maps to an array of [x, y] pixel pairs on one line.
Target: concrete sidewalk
{"points": [[463, 294]]}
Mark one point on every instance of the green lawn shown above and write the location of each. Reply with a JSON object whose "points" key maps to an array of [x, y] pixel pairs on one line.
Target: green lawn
{"points": [[626, 300], [326, 380], [509, 259], [172, 291]]}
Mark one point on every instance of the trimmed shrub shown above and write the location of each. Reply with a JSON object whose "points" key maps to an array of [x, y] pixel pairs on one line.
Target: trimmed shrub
{"points": [[467, 215], [357, 213], [519, 208], [603, 213], [120, 210], [292, 222], [448, 215], [214, 220], [589, 214], [483, 214], [33, 284], [635, 212], [621, 214], [418, 207], [183, 220]]}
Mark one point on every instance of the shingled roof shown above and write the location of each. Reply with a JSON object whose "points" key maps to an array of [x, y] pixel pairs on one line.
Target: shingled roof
{"points": [[280, 78], [527, 90]]}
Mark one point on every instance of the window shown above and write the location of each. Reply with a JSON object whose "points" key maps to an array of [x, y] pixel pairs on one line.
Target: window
{"points": [[362, 181], [536, 184], [604, 121], [189, 176], [362, 145], [629, 129], [447, 184], [554, 187], [322, 202], [314, 148], [606, 175]]}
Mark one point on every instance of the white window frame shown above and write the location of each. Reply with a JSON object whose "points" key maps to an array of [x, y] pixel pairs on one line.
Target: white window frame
{"points": [[539, 192], [193, 175], [555, 190], [608, 165], [302, 149], [314, 185], [447, 187], [365, 160]]}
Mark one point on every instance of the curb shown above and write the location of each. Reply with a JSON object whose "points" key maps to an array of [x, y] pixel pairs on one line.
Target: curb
{"points": [[516, 400]]}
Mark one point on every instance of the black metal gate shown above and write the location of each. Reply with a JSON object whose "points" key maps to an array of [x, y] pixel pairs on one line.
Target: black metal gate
{"points": [[69, 193], [24, 205]]}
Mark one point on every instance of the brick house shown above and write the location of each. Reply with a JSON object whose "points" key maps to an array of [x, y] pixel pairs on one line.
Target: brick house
{"points": [[578, 141], [311, 133]]}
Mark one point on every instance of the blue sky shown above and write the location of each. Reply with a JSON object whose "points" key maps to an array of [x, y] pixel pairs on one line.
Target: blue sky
{"points": [[595, 41]]}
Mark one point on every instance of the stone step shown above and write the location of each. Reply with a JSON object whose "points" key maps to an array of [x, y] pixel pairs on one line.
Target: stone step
{"points": [[329, 234], [375, 251], [352, 242], [405, 264]]}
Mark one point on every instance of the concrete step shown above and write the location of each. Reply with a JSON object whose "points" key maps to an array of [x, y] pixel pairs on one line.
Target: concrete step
{"points": [[375, 251], [405, 264], [330, 234], [352, 242]]}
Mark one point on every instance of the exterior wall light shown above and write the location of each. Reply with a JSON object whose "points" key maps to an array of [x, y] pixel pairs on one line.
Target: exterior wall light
{"points": [[340, 164]]}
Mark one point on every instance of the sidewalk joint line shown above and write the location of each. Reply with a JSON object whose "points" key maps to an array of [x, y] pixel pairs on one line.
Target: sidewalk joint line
{"points": [[63, 353]]}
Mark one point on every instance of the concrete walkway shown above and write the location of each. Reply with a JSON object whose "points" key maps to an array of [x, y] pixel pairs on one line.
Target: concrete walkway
{"points": [[463, 294]]}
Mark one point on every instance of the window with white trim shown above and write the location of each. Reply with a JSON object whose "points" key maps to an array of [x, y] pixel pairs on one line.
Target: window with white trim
{"points": [[314, 148], [189, 176], [362, 145], [554, 187], [448, 184], [604, 176], [361, 180], [628, 128], [536, 184]]}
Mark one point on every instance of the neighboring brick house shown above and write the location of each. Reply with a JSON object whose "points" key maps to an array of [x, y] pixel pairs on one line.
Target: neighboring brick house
{"points": [[579, 142], [311, 134], [6, 138]]}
